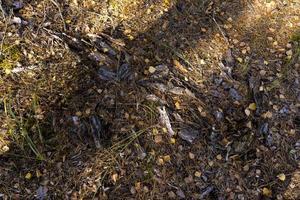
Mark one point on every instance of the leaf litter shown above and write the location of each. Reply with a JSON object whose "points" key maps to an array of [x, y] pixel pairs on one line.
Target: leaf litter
{"points": [[138, 100]]}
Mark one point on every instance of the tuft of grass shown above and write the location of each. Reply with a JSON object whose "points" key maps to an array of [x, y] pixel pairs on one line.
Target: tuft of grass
{"points": [[9, 57], [19, 129], [296, 37]]}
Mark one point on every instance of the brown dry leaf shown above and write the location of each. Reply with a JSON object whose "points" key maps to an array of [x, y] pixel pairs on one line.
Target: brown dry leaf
{"points": [[179, 66], [158, 139]]}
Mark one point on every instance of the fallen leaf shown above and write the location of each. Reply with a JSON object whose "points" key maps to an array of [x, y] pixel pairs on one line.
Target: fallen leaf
{"points": [[252, 106], [38, 173], [114, 177], [151, 69], [240, 59], [247, 112], [267, 192], [281, 177], [289, 53], [28, 176], [198, 174], [191, 155], [167, 158], [177, 105], [172, 140], [158, 139], [179, 66], [160, 161]]}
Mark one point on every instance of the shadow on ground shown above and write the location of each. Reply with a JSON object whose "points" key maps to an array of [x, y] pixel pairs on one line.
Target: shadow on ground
{"points": [[105, 92]]}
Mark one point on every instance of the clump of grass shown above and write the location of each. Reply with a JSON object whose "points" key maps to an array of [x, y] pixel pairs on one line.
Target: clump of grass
{"points": [[296, 37], [9, 57], [19, 128]]}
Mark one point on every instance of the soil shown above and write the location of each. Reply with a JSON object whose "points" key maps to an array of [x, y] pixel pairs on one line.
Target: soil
{"points": [[147, 99]]}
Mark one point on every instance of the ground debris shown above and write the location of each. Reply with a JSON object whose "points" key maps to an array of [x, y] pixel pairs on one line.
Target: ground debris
{"points": [[189, 134], [165, 120]]}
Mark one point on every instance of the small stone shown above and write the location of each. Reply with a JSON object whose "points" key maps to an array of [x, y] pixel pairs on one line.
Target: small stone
{"points": [[289, 46], [242, 44], [262, 72], [132, 190], [188, 179], [246, 168], [171, 195]]}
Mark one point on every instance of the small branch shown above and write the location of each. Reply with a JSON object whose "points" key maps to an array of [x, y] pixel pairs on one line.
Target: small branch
{"points": [[60, 13], [4, 14]]}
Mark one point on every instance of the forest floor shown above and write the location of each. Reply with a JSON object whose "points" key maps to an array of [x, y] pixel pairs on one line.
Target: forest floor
{"points": [[150, 99]]}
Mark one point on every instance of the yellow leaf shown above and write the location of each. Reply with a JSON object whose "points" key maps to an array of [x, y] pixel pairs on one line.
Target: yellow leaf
{"points": [[179, 66], [177, 105], [281, 177], [28, 176], [167, 158], [38, 173], [252, 106], [219, 157], [160, 161], [172, 140], [267, 192], [240, 59], [198, 174], [152, 69]]}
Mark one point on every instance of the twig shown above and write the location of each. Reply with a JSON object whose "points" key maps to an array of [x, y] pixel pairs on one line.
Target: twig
{"points": [[60, 13], [220, 29], [4, 14]]}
